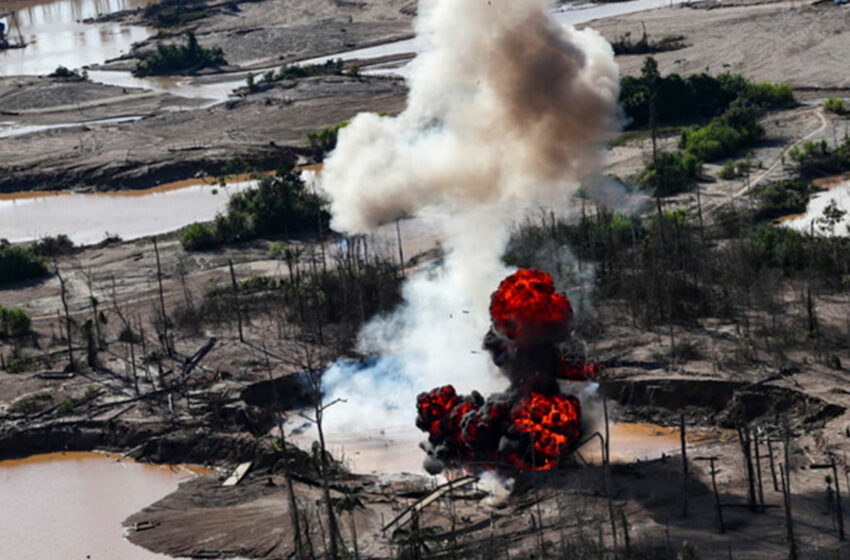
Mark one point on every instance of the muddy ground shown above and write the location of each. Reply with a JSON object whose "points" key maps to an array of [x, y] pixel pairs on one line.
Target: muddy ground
{"points": [[269, 32], [167, 144]]}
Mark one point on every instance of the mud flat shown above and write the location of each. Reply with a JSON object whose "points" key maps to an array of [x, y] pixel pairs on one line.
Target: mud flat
{"points": [[269, 32], [170, 145]]}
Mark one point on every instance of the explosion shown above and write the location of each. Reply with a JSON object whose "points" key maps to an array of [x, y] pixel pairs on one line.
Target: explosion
{"points": [[531, 425]]}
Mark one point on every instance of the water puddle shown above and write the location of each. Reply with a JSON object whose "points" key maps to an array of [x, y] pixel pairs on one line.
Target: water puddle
{"points": [[75, 503], [87, 218], [55, 35], [838, 192]]}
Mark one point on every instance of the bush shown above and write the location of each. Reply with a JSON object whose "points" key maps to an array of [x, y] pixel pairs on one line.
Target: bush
{"points": [[672, 173], [53, 246], [62, 72], [735, 129], [729, 171], [781, 198], [835, 105], [171, 59], [198, 237], [697, 96], [325, 140], [623, 44], [279, 204], [175, 13], [19, 263], [13, 322]]}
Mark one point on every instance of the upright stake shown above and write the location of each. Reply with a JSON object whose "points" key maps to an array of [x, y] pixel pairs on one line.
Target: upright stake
{"points": [[236, 300], [786, 490]]}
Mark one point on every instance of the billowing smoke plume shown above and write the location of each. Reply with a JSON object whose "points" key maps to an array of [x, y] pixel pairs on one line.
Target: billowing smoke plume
{"points": [[506, 111]]}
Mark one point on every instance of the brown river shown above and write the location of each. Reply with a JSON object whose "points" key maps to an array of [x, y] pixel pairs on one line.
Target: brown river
{"points": [[69, 506]]}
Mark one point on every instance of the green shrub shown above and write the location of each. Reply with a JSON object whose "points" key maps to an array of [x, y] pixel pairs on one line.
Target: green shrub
{"points": [[735, 129], [728, 171], [835, 105], [198, 237], [325, 140], [62, 72], [279, 204], [13, 322], [19, 263], [53, 246], [781, 198], [672, 173], [698, 96], [175, 13], [172, 59]]}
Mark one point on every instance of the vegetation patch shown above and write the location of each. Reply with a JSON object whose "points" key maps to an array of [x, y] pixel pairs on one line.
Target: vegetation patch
{"points": [[671, 173], [725, 135], [781, 198], [14, 322], [20, 263], [835, 105], [176, 13], [623, 44], [279, 205], [174, 59], [817, 159], [698, 96]]}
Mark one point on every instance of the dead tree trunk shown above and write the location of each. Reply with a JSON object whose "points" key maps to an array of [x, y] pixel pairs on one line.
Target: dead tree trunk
{"points": [[758, 469], [236, 300], [64, 295], [746, 450], [683, 438], [164, 316]]}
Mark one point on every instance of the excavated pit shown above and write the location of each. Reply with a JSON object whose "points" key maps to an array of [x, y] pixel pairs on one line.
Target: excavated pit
{"points": [[725, 404]]}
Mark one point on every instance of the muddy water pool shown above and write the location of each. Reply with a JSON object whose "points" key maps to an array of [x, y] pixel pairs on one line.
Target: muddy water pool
{"points": [[71, 505], [55, 35]]}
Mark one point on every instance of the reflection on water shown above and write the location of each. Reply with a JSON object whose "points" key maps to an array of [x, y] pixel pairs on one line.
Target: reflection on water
{"points": [[840, 193], [86, 218], [55, 35], [71, 505]]}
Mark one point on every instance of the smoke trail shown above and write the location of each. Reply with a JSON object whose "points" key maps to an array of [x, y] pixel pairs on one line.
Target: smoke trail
{"points": [[506, 110]]}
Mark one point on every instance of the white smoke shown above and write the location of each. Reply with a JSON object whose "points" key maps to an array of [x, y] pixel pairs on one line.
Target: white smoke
{"points": [[506, 111]]}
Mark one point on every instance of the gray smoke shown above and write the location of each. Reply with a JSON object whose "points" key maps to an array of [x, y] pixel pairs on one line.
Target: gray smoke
{"points": [[506, 111]]}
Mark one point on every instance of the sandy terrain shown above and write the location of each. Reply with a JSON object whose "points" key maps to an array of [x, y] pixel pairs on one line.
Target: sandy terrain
{"points": [[796, 43]]}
